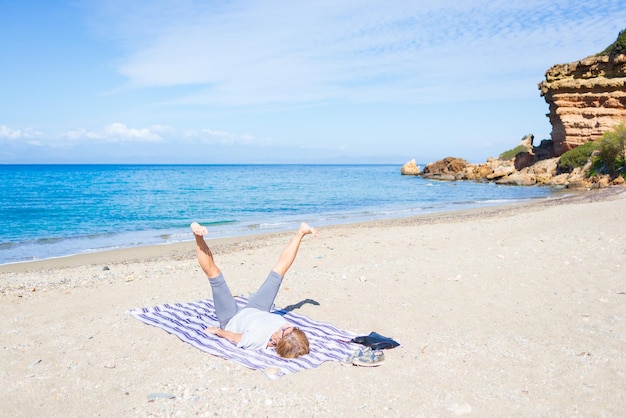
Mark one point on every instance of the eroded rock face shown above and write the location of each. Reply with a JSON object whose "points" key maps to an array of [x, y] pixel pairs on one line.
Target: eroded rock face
{"points": [[586, 98]]}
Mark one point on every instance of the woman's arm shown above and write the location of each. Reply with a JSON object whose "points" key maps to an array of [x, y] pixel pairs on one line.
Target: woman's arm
{"points": [[233, 337]]}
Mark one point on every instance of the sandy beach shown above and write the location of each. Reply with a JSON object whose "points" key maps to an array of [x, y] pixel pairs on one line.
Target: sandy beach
{"points": [[510, 311]]}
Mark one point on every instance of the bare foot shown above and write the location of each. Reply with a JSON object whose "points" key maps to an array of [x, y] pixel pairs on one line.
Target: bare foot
{"points": [[199, 230], [306, 229]]}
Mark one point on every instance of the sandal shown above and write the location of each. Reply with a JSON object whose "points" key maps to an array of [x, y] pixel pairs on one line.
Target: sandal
{"points": [[370, 359]]}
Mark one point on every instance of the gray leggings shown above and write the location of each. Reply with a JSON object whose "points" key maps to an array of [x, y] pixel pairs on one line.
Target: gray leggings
{"points": [[226, 306]]}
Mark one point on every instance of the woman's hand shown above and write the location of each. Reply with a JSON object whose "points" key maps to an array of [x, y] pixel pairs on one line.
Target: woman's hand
{"points": [[233, 337], [213, 330]]}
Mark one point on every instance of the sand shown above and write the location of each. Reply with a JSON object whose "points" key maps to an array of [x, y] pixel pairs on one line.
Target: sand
{"points": [[510, 311]]}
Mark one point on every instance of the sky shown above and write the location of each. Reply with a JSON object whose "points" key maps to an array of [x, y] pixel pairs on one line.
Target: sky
{"points": [[273, 81]]}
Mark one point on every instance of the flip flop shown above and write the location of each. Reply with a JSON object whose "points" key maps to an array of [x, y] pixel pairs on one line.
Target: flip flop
{"points": [[370, 359]]}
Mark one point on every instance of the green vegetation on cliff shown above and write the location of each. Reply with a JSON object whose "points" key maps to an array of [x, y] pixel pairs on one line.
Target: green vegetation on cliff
{"points": [[510, 154], [612, 150], [576, 157], [617, 47], [608, 154]]}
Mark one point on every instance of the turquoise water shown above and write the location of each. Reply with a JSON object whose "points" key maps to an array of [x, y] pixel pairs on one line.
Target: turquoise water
{"points": [[57, 210]]}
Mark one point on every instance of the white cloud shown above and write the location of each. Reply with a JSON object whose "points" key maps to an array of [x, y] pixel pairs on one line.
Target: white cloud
{"points": [[251, 53], [80, 134], [119, 132], [16, 134], [210, 136]]}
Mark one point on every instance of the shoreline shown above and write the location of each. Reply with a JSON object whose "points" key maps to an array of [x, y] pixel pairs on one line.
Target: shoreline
{"points": [[153, 251], [95, 219], [515, 310]]}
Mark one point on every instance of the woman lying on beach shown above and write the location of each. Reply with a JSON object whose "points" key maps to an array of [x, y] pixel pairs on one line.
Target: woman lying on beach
{"points": [[253, 326]]}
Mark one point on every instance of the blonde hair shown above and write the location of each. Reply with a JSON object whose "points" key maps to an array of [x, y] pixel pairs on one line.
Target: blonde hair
{"points": [[293, 345]]}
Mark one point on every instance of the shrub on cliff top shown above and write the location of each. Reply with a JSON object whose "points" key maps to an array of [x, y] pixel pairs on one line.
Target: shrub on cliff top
{"points": [[617, 47], [576, 157], [510, 154]]}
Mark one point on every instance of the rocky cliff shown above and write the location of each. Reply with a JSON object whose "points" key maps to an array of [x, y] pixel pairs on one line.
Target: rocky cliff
{"points": [[586, 97], [534, 166]]}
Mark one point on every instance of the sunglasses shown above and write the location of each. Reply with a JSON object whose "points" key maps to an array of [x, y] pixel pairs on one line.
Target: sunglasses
{"points": [[282, 334]]}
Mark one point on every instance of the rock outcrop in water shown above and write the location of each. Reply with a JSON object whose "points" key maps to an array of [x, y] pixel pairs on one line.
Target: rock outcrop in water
{"points": [[410, 169], [586, 97], [536, 166]]}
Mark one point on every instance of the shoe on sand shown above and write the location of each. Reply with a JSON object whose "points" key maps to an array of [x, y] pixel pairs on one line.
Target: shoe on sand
{"points": [[370, 359], [366, 351]]}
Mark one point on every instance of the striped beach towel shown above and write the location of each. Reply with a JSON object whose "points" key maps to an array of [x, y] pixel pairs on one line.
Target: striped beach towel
{"points": [[188, 321]]}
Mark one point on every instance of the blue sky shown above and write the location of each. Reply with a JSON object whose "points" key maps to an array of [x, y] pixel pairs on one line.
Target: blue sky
{"points": [[117, 81]]}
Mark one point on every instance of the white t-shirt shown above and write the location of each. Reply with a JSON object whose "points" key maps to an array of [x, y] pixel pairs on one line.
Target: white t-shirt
{"points": [[256, 327]]}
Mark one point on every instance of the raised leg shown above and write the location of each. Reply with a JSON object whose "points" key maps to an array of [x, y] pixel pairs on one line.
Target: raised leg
{"points": [[289, 253], [225, 305], [203, 252], [264, 297]]}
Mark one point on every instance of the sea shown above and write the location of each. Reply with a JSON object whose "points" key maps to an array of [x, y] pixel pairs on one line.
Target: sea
{"points": [[49, 211]]}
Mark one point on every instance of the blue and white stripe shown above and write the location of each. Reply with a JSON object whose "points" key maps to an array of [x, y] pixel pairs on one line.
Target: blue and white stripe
{"points": [[189, 320]]}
